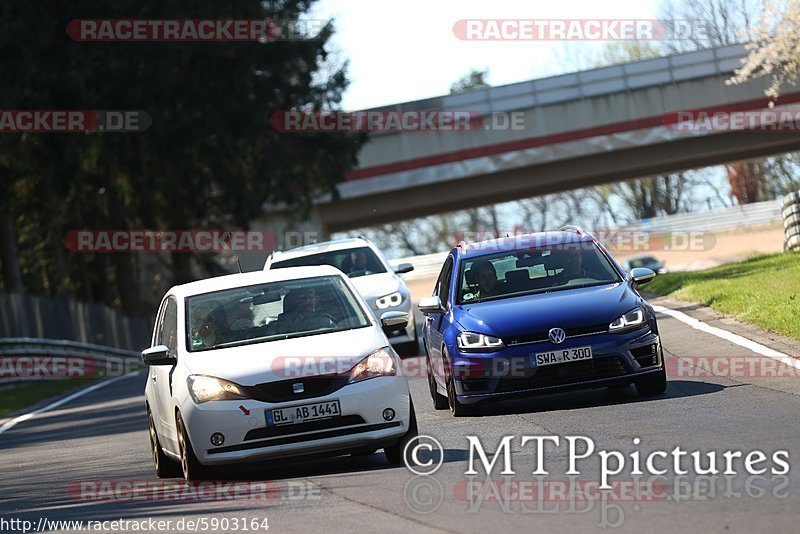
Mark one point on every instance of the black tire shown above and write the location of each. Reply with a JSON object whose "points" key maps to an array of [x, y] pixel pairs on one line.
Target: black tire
{"points": [[791, 209], [165, 466], [792, 220], [410, 348], [192, 469], [456, 408], [439, 400], [653, 385], [791, 198], [792, 242], [394, 454]]}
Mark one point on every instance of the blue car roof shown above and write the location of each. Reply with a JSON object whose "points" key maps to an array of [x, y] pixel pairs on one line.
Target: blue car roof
{"points": [[519, 242]]}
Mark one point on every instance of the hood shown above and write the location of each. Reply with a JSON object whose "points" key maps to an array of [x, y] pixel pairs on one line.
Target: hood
{"points": [[290, 358], [375, 286], [568, 308]]}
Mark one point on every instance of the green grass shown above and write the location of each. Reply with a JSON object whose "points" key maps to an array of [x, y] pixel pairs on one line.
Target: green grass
{"points": [[17, 396], [764, 290]]}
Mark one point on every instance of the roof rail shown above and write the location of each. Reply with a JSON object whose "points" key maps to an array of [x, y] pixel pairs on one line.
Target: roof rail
{"points": [[573, 228]]}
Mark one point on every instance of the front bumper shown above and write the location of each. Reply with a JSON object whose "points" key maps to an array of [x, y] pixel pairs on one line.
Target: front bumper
{"points": [[617, 359], [248, 438]]}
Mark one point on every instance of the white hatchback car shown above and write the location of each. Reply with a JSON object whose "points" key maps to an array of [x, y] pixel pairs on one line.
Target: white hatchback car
{"points": [[378, 282], [274, 364]]}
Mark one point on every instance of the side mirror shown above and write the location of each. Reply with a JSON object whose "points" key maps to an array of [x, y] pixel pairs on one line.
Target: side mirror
{"points": [[404, 268], [394, 319], [642, 275], [158, 355], [431, 305]]}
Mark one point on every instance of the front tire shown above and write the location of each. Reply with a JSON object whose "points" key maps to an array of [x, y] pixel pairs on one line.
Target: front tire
{"points": [[439, 400], [192, 469], [394, 454], [166, 467], [456, 407], [653, 385]]}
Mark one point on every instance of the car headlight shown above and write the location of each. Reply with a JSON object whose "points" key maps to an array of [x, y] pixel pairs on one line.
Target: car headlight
{"points": [[393, 299], [632, 319], [207, 388], [473, 341], [379, 363]]}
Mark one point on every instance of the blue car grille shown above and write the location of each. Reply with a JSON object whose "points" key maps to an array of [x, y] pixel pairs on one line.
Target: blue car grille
{"points": [[564, 374], [540, 337]]}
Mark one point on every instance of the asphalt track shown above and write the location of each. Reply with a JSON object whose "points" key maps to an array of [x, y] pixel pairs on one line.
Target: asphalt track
{"points": [[102, 436]]}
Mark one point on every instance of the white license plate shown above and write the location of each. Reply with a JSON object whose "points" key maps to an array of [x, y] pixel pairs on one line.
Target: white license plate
{"points": [[304, 413], [552, 357]]}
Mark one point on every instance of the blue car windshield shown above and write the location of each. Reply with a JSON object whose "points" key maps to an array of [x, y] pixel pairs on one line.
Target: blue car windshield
{"points": [[536, 270]]}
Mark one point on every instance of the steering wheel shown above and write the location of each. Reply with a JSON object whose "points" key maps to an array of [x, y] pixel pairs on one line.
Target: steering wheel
{"points": [[320, 320]]}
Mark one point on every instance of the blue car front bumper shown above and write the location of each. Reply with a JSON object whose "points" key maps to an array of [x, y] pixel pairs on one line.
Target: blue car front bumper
{"points": [[616, 359]]}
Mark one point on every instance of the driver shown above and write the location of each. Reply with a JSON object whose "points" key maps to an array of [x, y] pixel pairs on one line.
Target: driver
{"points": [[298, 305], [358, 260], [572, 267], [487, 278], [205, 328]]}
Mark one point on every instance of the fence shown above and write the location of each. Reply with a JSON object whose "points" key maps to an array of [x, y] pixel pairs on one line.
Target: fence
{"points": [[28, 316]]}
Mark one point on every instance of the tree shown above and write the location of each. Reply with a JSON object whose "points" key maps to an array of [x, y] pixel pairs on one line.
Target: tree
{"points": [[774, 48], [475, 79], [713, 23], [209, 160], [746, 179]]}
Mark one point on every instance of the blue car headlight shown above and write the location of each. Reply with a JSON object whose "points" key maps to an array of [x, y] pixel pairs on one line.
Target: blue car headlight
{"points": [[633, 319], [472, 341]]}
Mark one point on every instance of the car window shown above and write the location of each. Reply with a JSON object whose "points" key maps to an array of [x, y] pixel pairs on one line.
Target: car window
{"points": [[534, 270], [442, 286], [276, 310], [353, 262], [169, 327]]}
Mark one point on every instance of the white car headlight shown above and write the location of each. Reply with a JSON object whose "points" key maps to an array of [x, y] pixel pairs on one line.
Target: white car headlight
{"points": [[473, 341], [207, 388], [379, 363], [632, 319], [392, 299]]}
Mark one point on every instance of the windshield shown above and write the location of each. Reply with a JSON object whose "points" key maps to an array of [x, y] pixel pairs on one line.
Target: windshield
{"points": [[265, 312], [353, 262], [535, 270]]}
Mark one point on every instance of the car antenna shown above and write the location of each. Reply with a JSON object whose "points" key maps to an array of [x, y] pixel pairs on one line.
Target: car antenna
{"points": [[230, 240]]}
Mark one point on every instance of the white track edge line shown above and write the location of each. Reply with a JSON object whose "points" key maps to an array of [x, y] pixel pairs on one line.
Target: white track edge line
{"points": [[736, 339], [19, 419]]}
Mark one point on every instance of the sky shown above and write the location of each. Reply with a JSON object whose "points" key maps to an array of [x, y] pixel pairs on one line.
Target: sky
{"points": [[406, 50]]}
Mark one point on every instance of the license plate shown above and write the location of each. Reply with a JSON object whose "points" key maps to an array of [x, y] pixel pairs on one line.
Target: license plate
{"points": [[552, 357], [303, 413]]}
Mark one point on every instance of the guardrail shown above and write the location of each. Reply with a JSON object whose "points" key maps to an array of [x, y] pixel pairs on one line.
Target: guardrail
{"points": [[790, 210], [28, 359]]}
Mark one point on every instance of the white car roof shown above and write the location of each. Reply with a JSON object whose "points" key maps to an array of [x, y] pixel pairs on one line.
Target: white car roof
{"points": [[229, 281], [315, 248]]}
